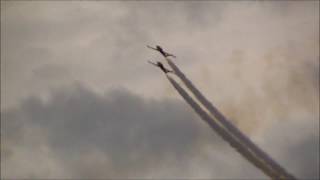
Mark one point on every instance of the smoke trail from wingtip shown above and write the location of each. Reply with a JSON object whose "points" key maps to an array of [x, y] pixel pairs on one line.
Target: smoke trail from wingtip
{"points": [[229, 126], [221, 131]]}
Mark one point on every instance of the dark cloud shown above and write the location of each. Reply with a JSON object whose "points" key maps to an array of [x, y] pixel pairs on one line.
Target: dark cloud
{"points": [[298, 147], [132, 132], [306, 155], [122, 135]]}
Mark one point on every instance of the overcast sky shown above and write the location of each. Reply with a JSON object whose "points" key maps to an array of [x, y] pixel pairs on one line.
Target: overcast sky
{"points": [[78, 98]]}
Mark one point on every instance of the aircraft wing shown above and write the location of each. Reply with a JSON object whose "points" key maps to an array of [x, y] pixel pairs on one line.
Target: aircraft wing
{"points": [[152, 63], [151, 47], [171, 55]]}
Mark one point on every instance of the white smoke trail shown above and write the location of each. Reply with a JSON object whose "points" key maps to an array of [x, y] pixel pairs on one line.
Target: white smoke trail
{"points": [[229, 126], [243, 150]]}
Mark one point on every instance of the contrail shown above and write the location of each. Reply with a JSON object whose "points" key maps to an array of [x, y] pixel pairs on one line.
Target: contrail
{"points": [[243, 150], [282, 173]]}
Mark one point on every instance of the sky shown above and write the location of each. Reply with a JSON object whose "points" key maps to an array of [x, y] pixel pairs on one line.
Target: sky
{"points": [[79, 100]]}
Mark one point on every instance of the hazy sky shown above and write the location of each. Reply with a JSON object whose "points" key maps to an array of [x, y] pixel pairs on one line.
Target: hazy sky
{"points": [[78, 98]]}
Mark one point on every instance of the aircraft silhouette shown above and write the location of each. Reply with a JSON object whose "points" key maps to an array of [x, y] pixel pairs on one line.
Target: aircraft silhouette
{"points": [[160, 65], [158, 48]]}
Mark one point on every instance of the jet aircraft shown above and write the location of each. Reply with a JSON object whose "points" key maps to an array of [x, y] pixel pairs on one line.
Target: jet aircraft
{"points": [[160, 65], [158, 48]]}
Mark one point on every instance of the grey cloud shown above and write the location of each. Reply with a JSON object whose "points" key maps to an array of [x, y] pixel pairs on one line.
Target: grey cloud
{"points": [[51, 72], [128, 131], [298, 147], [306, 155], [80, 134]]}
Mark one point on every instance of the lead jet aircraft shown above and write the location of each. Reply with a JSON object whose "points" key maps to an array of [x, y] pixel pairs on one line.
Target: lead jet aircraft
{"points": [[160, 65], [158, 48]]}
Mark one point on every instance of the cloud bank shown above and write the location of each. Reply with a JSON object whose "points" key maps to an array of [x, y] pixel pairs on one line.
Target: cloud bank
{"points": [[121, 135]]}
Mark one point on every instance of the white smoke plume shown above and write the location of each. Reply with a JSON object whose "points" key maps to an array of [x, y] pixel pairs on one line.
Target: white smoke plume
{"points": [[243, 150], [280, 171]]}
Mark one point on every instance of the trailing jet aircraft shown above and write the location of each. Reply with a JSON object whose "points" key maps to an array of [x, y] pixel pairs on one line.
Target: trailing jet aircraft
{"points": [[158, 48], [160, 65]]}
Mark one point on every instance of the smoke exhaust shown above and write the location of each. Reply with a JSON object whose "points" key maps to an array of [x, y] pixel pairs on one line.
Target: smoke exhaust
{"points": [[270, 167]]}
